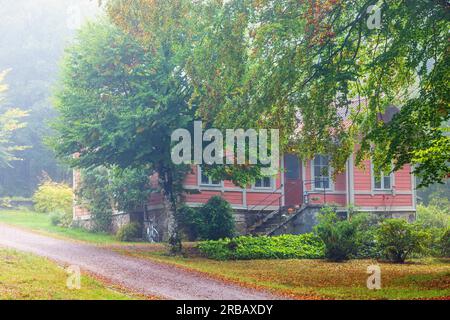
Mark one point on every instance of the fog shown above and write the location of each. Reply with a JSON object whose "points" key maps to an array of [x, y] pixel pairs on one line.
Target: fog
{"points": [[33, 35]]}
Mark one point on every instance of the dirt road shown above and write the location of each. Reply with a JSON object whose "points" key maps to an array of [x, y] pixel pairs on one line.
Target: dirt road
{"points": [[140, 275]]}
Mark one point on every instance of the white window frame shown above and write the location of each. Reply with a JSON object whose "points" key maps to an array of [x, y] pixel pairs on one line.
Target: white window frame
{"points": [[313, 176], [372, 178], [272, 184], [209, 184]]}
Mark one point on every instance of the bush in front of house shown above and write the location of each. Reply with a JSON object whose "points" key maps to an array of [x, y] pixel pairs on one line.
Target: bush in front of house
{"points": [[366, 225], [433, 217], [436, 221], [61, 219], [217, 221], [213, 221], [53, 197], [305, 246], [190, 222], [398, 239], [338, 235], [129, 232]]}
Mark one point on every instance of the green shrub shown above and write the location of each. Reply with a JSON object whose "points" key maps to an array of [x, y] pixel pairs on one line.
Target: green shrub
{"points": [[433, 217], [445, 243], [216, 220], [93, 194], [306, 246], [365, 238], [61, 219], [5, 203], [435, 221], [398, 239], [53, 197], [190, 222], [339, 236], [129, 232]]}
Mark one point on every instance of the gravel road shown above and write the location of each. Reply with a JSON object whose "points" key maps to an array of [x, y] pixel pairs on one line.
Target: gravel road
{"points": [[139, 275]]}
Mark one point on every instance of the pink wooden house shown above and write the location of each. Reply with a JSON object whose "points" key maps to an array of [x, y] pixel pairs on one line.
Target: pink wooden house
{"points": [[290, 201]]}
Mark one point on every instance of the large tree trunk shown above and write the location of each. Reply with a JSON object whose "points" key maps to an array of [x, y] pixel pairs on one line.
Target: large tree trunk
{"points": [[171, 207]]}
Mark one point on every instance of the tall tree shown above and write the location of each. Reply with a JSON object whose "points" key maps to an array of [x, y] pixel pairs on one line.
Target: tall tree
{"points": [[324, 71], [119, 103]]}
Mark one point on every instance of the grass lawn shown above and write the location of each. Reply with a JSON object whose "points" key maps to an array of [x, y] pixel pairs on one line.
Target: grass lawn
{"points": [[27, 277], [318, 279], [41, 223]]}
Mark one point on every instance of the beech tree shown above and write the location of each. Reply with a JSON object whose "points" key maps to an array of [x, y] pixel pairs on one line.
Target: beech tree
{"points": [[325, 71], [118, 104]]}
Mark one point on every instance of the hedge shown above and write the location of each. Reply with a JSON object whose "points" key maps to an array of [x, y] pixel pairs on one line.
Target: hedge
{"points": [[305, 246]]}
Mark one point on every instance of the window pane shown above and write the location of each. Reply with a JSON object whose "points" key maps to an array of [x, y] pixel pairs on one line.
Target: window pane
{"points": [[205, 179], [387, 182], [258, 183], [267, 182], [377, 183], [216, 182], [322, 172], [326, 183], [317, 184]]}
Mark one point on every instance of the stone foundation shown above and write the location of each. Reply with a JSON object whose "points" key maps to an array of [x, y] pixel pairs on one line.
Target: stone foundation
{"points": [[118, 220]]}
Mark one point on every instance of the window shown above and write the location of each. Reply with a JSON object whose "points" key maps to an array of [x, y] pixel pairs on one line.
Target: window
{"points": [[263, 183], [208, 181], [382, 181], [322, 172]]}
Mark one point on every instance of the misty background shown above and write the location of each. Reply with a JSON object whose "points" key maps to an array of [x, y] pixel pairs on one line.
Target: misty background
{"points": [[33, 35]]}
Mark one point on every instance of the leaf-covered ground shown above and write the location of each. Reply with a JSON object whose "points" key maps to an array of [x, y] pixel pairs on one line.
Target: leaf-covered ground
{"points": [[318, 279]]}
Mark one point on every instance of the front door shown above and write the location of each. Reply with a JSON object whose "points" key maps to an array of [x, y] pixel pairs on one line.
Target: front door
{"points": [[293, 184]]}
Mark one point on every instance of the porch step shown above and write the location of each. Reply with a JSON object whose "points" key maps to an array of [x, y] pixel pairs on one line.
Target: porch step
{"points": [[272, 221], [279, 220]]}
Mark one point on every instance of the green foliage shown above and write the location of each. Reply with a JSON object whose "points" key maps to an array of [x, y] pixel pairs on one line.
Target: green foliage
{"points": [[433, 216], [399, 239], [130, 188], [212, 221], [61, 219], [53, 197], [92, 194], [434, 220], [119, 101], [338, 235], [217, 219], [437, 195], [306, 246], [104, 190], [129, 232], [278, 64], [445, 243], [10, 121], [5, 203], [190, 222], [366, 230]]}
